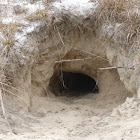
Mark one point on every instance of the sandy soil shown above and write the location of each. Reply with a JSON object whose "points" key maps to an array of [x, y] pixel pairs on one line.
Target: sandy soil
{"points": [[87, 117]]}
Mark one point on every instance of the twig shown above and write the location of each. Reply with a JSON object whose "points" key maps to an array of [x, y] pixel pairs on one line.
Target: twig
{"points": [[107, 68], [12, 93], [61, 39], [8, 86], [70, 60]]}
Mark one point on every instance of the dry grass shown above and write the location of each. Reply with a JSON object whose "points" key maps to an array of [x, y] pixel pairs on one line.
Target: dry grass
{"points": [[38, 15], [124, 12], [117, 10], [8, 38], [1, 25], [8, 32]]}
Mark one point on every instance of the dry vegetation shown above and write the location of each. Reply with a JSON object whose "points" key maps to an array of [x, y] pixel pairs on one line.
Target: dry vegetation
{"points": [[9, 35], [7, 41], [38, 15], [124, 12], [117, 10]]}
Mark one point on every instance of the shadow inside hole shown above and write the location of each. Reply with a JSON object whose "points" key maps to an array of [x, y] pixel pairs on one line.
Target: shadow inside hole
{"points": [[72, 84]]}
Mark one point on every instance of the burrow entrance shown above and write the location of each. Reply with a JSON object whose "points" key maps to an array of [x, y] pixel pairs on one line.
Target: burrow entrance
{"points": [[72, 84]]}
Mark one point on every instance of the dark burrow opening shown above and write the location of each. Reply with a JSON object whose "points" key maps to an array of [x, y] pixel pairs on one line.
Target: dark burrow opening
{"points": [[72, 84]]}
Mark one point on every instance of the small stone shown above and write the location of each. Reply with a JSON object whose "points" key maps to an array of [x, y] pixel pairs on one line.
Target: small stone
{"points": [[52, 133], [77, 108], [63, 109], [94, 119], [70, 129], [59, 121]]}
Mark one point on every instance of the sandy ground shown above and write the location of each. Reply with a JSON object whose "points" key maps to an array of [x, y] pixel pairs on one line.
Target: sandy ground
{"points": [[87, 117]]}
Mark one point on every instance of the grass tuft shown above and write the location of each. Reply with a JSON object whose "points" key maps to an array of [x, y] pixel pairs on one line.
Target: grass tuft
{"points": [[124, 12], [116, 10], [38, 15], [8, 38]]}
